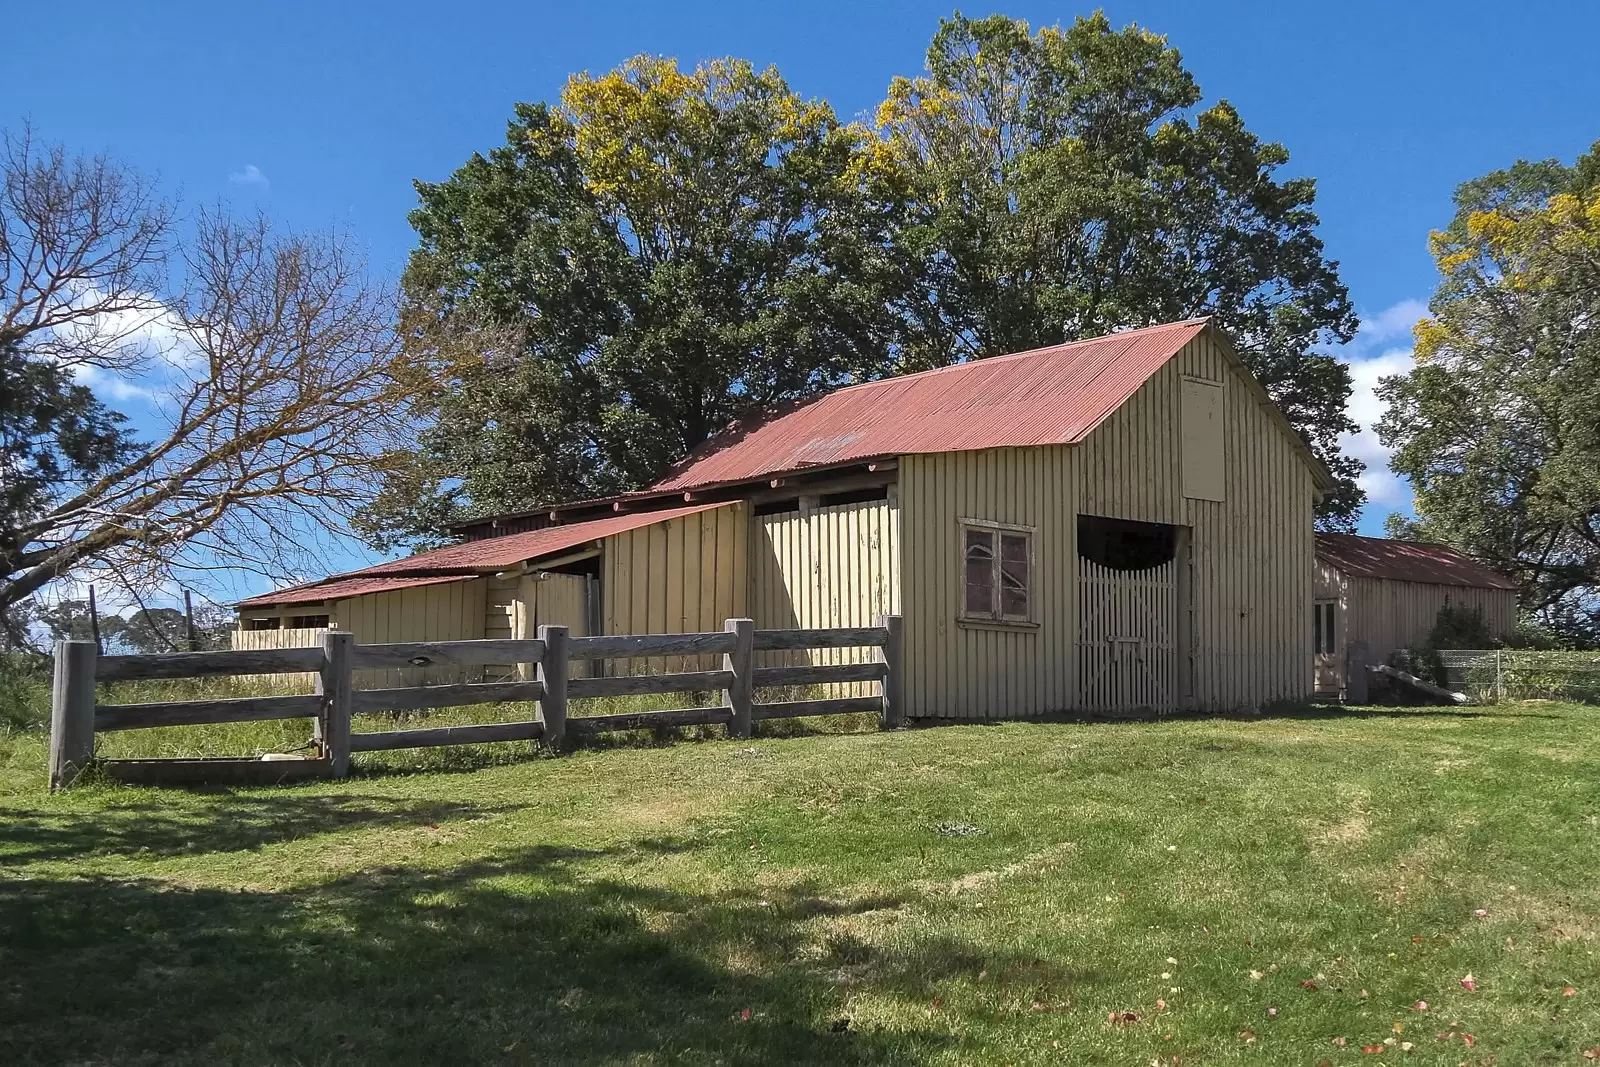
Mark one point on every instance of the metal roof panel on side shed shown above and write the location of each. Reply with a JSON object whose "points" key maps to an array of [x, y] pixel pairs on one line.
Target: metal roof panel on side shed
{"points": [[339, 588], [1406, 561], [470, 558]]}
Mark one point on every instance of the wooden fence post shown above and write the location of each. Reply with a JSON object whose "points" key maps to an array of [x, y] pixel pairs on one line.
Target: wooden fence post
{"points": [[893, 651], [553, 673], [739, 694], [72, 711], [335, 685]]}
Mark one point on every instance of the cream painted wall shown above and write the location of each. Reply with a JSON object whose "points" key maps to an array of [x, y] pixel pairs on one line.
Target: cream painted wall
{"points": [[1250, 554]]}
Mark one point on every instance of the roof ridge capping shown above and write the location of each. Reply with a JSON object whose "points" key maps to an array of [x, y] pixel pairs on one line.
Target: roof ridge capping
{"points": [[1006, 357]]}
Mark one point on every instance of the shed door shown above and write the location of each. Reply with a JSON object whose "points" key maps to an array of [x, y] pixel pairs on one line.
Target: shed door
{"points": [[1127, 655]]}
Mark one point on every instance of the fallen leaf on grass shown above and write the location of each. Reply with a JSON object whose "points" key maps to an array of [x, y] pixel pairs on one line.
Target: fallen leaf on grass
{"points": [[1249, 1036], [1569, 992], [1592, 1053], [1123, 1018], [1469, 1039], [744, 1015], [1341, 1042], [1481, 913], [1421, 1005], [1470, 984], [1371, 1049], [1309, 985], [1257, 975], [1161, 1005]]}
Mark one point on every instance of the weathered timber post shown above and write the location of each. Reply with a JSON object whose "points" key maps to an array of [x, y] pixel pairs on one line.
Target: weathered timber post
{"points": [[892, 654], [553, 673], [72, 711], [739, 694], [335, 685], [1357, 656]]}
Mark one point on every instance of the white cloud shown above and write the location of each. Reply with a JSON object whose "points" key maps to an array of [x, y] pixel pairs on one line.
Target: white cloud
{"points": [[250, 175], [108, 385], [133, 354], [1390, 323], [1369, 363]]}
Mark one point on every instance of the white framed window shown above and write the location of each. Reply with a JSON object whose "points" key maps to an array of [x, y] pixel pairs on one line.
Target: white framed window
{"points": [[996, 572]]}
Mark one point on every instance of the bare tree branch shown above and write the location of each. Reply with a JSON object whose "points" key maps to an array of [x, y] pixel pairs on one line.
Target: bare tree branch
{"points": [[278, 394]]}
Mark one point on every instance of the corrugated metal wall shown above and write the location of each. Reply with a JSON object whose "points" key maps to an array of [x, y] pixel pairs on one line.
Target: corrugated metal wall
{"points": [[1250, 554], [684, 575], [834, 566], [453, 611], [1390, 615]]}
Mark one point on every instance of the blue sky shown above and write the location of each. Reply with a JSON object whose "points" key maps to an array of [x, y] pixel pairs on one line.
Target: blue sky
{"points": [[324, 113]]}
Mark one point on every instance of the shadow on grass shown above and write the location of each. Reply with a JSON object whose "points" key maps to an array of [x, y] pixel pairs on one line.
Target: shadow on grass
{"points": [[232, 823], [1427, 711], [529, 957]]}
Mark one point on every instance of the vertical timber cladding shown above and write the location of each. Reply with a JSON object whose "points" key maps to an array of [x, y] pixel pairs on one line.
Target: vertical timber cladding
{"points": [[550, 599], [1390, 614], [834, 566], [448, 611], [1250, 554], [681, 575]]}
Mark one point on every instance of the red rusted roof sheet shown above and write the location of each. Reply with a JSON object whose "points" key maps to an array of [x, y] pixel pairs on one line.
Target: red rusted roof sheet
{"points": [[1049, 396], [337, 588], [1406, 561], [456, 562]]}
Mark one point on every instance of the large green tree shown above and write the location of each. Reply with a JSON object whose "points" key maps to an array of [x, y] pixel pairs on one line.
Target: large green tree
{"points": [[659, 254], [1065, 186], [1498, 426]]}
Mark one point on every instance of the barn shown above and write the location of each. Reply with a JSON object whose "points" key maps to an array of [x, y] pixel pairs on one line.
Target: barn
{"points": [[1112, 524], [1388, 593]]}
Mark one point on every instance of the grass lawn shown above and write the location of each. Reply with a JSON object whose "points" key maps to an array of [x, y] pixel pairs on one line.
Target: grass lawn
{"points": [[1275, 891]]}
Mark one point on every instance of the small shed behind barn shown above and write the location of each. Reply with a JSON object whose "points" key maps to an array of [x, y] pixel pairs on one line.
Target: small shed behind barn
{"points": [[1388, 593]]}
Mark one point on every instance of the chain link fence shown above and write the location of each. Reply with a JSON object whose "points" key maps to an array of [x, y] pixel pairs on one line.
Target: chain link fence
{"points": [[1493, 674]]}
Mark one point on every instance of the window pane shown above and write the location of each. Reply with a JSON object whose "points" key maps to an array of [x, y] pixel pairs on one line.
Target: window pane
{"points": [[1013, 576], [979, 570], [1316, 622], [1327, 628]]}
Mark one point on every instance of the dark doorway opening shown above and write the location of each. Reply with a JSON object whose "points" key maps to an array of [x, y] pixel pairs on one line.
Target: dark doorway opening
{"points": [[1125, 545]]}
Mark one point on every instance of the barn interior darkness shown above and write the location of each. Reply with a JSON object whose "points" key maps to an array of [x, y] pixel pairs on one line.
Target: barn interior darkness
{"points": [[1124, 545]]}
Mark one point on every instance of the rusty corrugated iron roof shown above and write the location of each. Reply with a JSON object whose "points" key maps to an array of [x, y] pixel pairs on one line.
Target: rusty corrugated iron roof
{"points": [[1048, 396], [337, 588], [455, 562], [1406, 561]]}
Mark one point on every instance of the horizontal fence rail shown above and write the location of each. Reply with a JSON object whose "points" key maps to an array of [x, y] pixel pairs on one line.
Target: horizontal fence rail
{"points": [[543, 681]]}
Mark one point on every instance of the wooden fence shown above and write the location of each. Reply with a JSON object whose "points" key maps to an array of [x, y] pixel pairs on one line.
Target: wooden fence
{"points": [[76, 716]]}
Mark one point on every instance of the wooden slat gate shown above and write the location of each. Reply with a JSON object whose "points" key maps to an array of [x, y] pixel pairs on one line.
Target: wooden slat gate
{"points": [[1127, 655]]}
